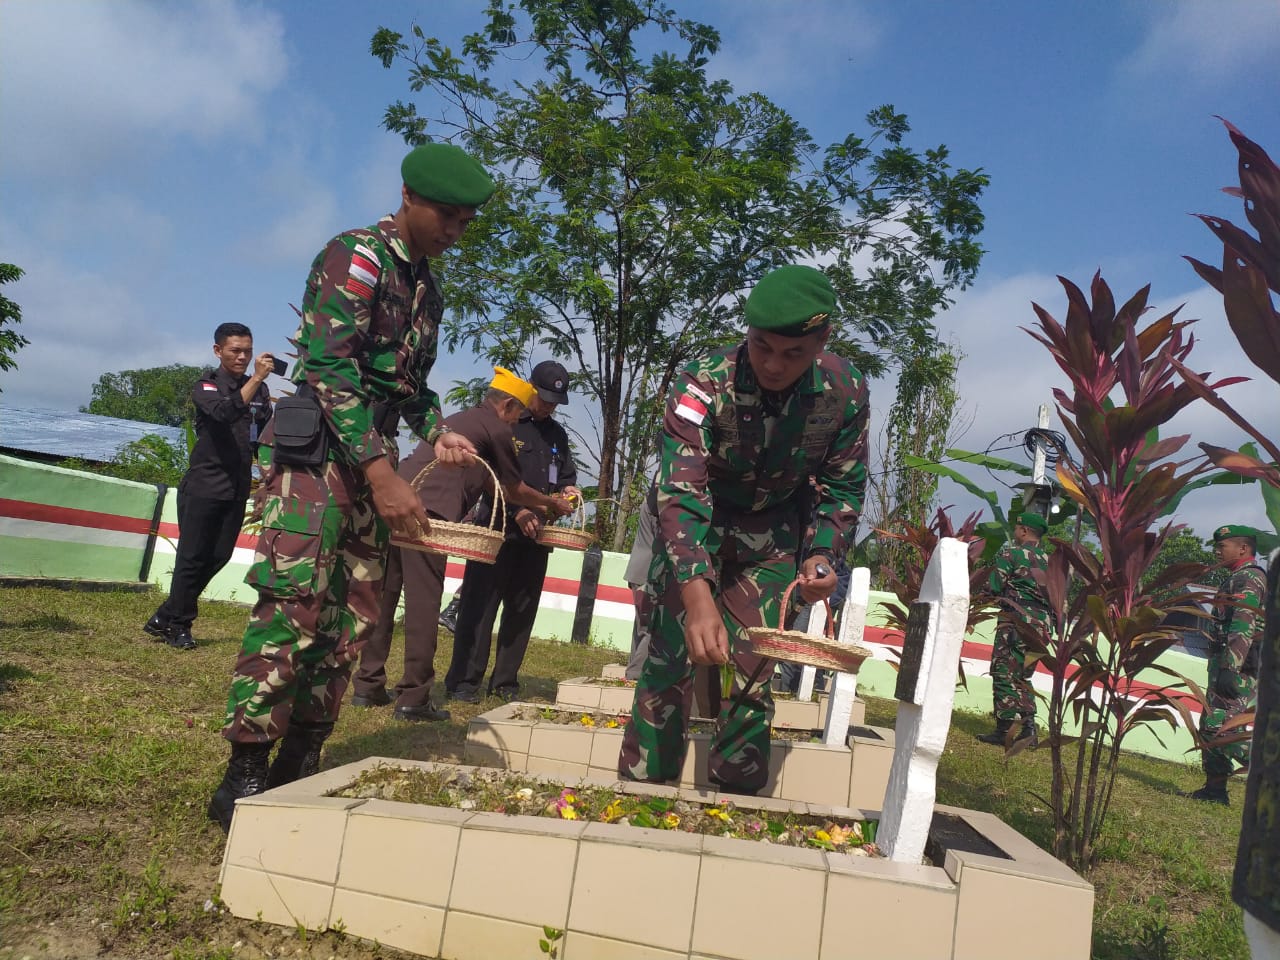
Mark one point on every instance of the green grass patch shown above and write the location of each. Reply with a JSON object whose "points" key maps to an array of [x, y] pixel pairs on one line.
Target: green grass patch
{"points": [[110, 748]]}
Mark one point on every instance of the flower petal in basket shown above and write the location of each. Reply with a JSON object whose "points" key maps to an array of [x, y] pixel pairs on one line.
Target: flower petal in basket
{"points": [[795, 646]]}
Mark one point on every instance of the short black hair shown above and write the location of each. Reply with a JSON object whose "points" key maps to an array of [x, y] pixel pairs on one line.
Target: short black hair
{"points": [[230, 330]]}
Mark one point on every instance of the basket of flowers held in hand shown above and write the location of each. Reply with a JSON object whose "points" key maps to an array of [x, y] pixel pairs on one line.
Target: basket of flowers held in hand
{"points": [[467, 540], [575, 535], [796, 646]]}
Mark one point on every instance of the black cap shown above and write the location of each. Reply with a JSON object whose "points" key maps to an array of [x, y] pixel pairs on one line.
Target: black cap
{"points": [[552, 381]]}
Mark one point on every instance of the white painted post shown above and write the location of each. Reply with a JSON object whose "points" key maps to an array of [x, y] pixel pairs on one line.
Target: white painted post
{"points": [[924, 707], [844, 686], [815, 623]]}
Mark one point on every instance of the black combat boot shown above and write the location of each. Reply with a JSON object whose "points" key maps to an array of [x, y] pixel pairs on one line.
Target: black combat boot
{"points": [[1000, 735], [449, 615], [1028, 734], [299, 753], [1211, 792], [246, 776]]}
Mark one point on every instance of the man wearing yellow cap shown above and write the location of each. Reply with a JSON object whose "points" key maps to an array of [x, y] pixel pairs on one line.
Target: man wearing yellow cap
{"points": [[366, 344], [445, 495], [745, 428]]}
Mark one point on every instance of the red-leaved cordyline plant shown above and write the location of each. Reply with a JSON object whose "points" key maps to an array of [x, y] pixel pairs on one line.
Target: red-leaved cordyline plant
{"points": [[1122, 390]]}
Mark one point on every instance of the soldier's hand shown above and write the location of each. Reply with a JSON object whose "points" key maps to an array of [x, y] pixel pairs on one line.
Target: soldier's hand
{"points": [[815, 584], [263, 365], [455, 450], [395, 499], [704, 630]]}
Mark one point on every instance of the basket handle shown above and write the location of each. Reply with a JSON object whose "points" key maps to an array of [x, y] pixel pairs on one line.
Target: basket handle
{"points": [[500, 501], [828, 631]]}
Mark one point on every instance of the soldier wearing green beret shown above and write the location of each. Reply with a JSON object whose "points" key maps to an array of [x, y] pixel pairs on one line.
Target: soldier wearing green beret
{"points": [[1233, 656], [366, 344], [744, 430], [1017, 578]]}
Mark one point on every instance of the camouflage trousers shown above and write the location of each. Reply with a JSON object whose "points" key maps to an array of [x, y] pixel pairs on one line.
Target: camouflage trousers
{"points": [[318, 572], [749, 592], [1230, 693], [1011, 688]]}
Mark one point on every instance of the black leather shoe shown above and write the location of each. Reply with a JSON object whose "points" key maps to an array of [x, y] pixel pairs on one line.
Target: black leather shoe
{"points": [[181, 639], [449, 615], [379, 698], [157, 627], [465, 695], [422, 714], [505, 694]]}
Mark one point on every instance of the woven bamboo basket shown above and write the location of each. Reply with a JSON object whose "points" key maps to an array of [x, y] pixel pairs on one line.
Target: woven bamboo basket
{"points": [[575, 537], [466, 540], [796, 646]]}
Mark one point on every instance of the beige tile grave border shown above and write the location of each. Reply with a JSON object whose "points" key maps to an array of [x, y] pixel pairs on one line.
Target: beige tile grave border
{"points": [[475, 886]]}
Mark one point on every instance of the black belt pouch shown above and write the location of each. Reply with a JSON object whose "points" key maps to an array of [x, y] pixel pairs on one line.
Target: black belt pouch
{"points": [[301, 435]]}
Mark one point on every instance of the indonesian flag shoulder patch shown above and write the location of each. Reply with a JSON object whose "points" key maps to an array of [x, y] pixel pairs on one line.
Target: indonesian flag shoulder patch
{"points": [[362, 276], [208, 385], [689, 407]]}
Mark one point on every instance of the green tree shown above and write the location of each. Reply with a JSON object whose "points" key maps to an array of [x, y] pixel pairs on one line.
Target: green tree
{"points": [[153, 395], [639, 199], [149, 459], [10, 314], [1185, 547]]}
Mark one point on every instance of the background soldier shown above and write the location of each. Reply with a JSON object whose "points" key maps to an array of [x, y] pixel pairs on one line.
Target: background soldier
{"points": [[231, 408], [366, 344], [1017, 578], [745, 428], [1233, 656], [446, 496], [515, 579]]}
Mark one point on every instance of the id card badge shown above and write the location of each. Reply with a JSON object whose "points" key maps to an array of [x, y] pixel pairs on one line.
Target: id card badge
{"points": [[553, 470]]}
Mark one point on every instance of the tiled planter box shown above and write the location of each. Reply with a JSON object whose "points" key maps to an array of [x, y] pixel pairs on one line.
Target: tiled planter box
{"points": [[478, 886], [587, 694], [853, 775]]}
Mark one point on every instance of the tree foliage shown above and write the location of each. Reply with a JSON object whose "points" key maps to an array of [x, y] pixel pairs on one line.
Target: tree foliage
{"points": [[149, 459], [640, 198], [10, 315], [152, 395]]}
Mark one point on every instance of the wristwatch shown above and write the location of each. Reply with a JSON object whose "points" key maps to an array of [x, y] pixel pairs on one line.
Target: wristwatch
{"points": [[436, 432]]}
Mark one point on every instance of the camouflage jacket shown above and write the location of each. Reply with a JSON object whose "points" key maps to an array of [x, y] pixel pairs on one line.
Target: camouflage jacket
{"points": [[368, 335], [1013, 575], [723, 459], [1237, 618]]}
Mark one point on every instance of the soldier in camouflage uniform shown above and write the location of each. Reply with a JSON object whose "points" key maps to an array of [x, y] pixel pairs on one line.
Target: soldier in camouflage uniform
{"points": [[1018, 579], [366, 344], [1233, 656], [744, 429]]}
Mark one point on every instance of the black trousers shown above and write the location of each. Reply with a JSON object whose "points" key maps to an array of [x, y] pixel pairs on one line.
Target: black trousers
{"points": [[207, 531], [514, 580]]}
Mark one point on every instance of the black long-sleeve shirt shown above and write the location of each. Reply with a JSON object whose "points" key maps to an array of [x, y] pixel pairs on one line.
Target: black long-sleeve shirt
{"points": [[227, 429]]}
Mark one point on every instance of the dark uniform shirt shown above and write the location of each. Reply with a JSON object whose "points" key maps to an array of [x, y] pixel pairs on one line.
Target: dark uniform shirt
{"points": [[542, 447], [449, 492], [226, 428]]}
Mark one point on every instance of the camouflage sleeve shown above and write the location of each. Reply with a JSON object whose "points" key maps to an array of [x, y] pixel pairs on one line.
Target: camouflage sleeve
{"points": [[1249, 592], [684, 505], [422, 413], [331, 339], [843, 480], [1001, 568]]}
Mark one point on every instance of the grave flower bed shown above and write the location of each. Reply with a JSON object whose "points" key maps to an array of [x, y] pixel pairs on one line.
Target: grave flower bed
{"points": [[518, 795]]}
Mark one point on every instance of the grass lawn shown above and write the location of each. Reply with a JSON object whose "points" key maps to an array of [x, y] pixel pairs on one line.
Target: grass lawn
{"points": [[109, 750]]}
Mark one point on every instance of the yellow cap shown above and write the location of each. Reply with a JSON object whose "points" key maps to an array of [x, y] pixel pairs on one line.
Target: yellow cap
{"points": [[508, 382]]}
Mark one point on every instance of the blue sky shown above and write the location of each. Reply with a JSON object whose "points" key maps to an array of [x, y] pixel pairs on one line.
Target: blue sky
{"points": [[168, 166]]}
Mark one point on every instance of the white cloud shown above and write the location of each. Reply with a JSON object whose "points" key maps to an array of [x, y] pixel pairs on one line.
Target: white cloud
{"points": [[1210, 42], [84, 81], [767, 40]]}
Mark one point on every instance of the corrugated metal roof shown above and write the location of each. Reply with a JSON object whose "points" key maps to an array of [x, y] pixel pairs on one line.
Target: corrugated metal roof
{"points": [[62, 433]]}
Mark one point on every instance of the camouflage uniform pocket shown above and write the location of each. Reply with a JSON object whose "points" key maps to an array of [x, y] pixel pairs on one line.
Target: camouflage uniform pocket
{"points": [[291, 559]]}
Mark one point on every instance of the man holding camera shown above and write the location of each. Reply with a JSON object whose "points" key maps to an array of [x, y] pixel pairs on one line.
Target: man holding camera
{"points": [[232, 407], [366, 343]]}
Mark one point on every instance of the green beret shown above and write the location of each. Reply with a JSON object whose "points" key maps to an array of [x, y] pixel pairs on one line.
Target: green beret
{"points": [[791, 301], [1227, 531], [1034, 521], [446, 174]]}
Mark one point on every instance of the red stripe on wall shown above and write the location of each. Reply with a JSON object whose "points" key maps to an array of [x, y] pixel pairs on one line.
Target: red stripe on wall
{"points": [[72, 517]]}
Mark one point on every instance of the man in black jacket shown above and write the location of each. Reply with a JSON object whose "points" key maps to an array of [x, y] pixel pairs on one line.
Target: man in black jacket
{"points": [[231, 409], [515, 579]]}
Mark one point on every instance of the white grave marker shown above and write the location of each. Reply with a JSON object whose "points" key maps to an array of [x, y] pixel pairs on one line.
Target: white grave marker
{"points": [[844, 686], [926, 693]]}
